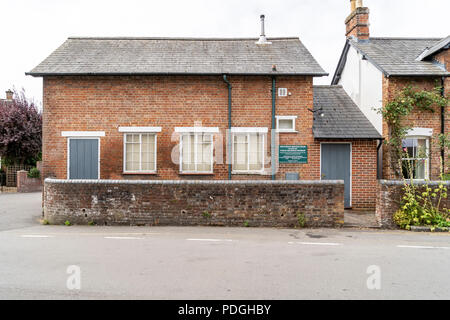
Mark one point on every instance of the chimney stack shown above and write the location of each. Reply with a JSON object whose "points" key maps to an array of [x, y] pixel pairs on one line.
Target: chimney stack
{"points": [[9, 95], [357, 23], [262, 37]]}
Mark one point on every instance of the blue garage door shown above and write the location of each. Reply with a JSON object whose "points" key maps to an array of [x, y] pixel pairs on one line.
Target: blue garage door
{"points": [[83, 160], [335, 165]]}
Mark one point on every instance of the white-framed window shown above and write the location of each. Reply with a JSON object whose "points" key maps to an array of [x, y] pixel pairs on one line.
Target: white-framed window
{"points": [[286, 123], [248, 150], [139, 152], [416, 157], [196, 152]]}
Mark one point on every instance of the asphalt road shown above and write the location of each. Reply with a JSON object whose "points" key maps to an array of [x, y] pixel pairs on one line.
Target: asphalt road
{"points": [[219, 263]]}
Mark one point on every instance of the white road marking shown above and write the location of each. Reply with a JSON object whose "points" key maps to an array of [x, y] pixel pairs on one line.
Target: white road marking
{"points": [[124, 238], [213, 240], [317, 243], [35, 236], [422, 247]]}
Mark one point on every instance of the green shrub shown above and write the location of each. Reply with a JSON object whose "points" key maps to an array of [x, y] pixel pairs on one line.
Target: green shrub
{"points": [[246, 224], [67, 223], [301, 220], [206, 214], [34, 173]]}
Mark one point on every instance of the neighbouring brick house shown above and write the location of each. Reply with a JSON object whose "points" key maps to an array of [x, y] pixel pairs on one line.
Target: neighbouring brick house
{"points": [[179, 108], [373, 69]]}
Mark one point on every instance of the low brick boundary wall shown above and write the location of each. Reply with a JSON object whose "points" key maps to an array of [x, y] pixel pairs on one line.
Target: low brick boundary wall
{"points": [[389, 196], [26, 184], [181, 202]]}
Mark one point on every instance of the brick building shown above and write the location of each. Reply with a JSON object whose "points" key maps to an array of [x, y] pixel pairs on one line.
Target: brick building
{"points": [[181, 108], [373, 69]]}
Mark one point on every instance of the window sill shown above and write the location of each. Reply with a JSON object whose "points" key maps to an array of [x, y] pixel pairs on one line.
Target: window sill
{"points": [[286, 131], [196, 173], [139, 173]]}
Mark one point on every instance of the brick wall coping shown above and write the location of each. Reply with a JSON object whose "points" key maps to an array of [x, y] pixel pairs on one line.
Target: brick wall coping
{"points": [[418, 182], [178, 182]]}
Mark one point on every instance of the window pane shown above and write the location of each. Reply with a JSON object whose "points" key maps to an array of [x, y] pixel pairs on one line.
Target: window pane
{"points": [[188, 147], [409, 147], [148, 152], [286, 124], [419, 169], [204, 155], [421, 149], [255, 151], [132, 157], [416, 158], [240, 157]]}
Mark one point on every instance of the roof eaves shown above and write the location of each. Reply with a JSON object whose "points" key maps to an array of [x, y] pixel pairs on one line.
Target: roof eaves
{"points": [[272, 74], [341, 64]]}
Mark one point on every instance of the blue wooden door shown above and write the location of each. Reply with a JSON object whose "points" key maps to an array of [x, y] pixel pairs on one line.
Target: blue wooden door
{"points": [[335, 165], [83, 159]]}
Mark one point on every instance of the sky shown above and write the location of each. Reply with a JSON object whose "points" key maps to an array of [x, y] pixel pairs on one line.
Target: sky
{"points": [[31, 29]]}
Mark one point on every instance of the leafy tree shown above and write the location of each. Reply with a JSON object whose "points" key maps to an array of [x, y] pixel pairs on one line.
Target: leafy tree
{"points": [[20, 130]]}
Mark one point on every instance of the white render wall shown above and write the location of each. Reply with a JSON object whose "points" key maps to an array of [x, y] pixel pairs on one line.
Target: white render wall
{"points": [[363, 82]]}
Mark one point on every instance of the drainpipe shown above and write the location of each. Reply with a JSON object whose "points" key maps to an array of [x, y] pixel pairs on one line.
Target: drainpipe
{"points": [[229, 125], [379, 161], [443, 123], [273, 131]]}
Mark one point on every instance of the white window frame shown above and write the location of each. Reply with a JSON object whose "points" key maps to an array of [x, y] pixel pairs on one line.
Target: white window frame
{"points": [[248, 132], [82, 135], [196, 135], [427, 159], [293, 118], [140, 133]]}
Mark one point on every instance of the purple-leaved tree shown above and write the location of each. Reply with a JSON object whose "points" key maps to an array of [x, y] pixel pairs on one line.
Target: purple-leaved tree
{"points": [[20, 130]]}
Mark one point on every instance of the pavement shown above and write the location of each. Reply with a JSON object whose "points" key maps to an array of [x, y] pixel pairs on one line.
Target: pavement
{"points": [[93, 262]]}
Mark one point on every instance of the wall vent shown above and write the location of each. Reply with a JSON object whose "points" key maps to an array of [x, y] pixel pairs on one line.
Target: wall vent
{"points": [[282, 92]]}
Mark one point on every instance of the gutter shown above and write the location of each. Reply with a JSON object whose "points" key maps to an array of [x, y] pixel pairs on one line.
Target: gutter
{"points": [[229, 125], [273, 131], [290, 74]]}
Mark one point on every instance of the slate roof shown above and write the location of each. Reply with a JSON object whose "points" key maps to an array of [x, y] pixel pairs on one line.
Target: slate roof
{"points": [[397, 56], [342, 118], [142, 56], [439, 46]]}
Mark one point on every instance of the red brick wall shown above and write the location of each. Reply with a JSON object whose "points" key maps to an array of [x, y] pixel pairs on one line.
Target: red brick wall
{"points": [[240, 203], [105, 103], [418, 118], [26, 184]]}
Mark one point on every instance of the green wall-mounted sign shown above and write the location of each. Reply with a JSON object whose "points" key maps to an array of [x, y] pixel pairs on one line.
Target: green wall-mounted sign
{"points": [[293, 154]]}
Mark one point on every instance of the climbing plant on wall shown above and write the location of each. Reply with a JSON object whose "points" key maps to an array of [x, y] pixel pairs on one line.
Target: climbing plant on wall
{"points": [[394, 112]]}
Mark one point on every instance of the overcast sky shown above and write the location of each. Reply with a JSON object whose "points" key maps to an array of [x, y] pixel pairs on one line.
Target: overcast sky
{"points": [[31, 29]]}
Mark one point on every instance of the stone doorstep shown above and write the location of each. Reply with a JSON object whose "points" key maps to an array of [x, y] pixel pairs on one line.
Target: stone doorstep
{"points": [[427, 229]]}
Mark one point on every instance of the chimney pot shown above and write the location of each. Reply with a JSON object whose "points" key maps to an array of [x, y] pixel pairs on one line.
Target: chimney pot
{"points": [[9, 95], [353, 5], [262, 37]]}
